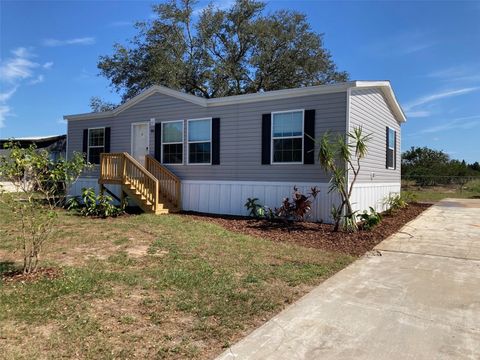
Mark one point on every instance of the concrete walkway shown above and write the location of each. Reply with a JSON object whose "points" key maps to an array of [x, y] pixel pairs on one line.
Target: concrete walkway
{"points": [[417, 298]]}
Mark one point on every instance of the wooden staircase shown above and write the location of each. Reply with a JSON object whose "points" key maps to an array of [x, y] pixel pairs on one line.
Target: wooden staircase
{"points": [[153, 187]]}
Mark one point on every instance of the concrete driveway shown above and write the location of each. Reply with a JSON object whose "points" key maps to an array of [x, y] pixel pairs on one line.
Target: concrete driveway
{"points": [[417, 298]]}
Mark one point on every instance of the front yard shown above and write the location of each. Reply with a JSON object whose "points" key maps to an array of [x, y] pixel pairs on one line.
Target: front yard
{"points": [[149, 287]]}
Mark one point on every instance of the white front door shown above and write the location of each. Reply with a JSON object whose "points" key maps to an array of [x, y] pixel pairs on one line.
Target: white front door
{"points": [[140, 141]]}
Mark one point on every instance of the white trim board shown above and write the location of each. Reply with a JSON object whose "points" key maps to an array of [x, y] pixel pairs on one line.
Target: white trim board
{"points": [[248, 98]]}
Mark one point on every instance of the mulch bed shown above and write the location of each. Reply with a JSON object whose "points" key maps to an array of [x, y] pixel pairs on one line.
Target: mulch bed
{"points": [[40, 274], [318, 235]]}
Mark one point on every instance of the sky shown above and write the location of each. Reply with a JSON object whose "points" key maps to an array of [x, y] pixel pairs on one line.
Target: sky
{"points": [[430, 51]]}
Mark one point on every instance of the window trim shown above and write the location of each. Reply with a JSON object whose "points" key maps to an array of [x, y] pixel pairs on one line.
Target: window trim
{"points": [[272, 138], [393, 149], [196, 142], [96, 146], [170, 143]]}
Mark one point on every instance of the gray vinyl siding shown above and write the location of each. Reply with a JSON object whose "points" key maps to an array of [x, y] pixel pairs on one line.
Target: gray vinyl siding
{"points": [[369, 109], [240, 134]]}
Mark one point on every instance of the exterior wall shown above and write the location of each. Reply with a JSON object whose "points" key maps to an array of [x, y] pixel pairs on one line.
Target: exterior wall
{"points": [[229, 197], [369, 109], [240, 134], [372, 194]]}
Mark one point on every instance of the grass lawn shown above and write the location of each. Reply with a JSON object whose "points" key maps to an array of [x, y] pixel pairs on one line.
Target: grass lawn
{"points": [[150, 286], [437, 193]]}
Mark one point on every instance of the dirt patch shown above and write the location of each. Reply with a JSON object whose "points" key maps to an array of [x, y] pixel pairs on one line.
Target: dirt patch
{"points": [[40, 274], [318, 235]]}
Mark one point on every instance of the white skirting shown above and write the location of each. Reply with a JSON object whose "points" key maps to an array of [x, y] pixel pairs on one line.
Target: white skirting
{"points": [[365, 195], [77, 186], [229, 197]]}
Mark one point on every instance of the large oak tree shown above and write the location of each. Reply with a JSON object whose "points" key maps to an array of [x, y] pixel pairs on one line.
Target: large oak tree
{"points": [[219, 52]]}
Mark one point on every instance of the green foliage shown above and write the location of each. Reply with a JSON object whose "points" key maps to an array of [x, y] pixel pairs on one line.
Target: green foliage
{"points": [[428, 167], [41, 186], [98, 105], [90, 204], [339, 155], [255, 209], [32, 171], [399, 201], [220, 52], [370, 219]]}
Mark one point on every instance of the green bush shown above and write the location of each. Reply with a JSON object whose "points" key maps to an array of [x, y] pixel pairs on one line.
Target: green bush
{"points": [[370, 219], [399, 201], [91, 204], [255, 209]]}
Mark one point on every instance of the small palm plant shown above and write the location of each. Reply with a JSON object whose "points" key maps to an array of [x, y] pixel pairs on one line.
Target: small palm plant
{"points": [[339, 155]]}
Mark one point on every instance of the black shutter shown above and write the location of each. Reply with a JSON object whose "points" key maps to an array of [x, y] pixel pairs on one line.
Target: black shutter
{"points": [[158, 141], [395, 151], [85, 143], [386, 151], [216, 141], [107, 140], [308, 137], [266, 138]]}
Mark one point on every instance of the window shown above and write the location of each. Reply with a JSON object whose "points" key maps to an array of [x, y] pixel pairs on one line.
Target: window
{"points": [[200, 141], [391, 135], [287, 137], [96, 144], [172, 142]]}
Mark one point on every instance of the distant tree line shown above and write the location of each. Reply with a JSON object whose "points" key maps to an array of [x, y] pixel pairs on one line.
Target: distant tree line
{"points": [[434, 167]]}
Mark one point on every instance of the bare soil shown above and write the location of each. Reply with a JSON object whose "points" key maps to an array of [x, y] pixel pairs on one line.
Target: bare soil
{"points": [[319, 235]]}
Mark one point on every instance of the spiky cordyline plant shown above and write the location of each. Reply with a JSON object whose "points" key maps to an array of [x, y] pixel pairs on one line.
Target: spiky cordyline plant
{"points": [[338, 155]]}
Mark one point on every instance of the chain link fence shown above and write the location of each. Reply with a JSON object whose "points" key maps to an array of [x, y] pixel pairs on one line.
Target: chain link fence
{"points": [[439, 180]]}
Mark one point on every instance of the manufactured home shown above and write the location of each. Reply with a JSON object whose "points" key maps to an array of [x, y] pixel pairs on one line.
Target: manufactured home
{"points": [[168, 150]]}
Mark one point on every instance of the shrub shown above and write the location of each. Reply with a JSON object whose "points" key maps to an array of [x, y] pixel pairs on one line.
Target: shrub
{"points": [[399, 201], [40, 185], [90, 204], [370, 219], [297, 208], [255, 209]]}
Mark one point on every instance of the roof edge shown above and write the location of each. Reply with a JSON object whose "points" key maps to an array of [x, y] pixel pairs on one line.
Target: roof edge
{"points": [[247, 98]]}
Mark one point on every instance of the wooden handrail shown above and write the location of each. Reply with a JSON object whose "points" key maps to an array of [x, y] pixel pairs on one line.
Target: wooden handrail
{"points": [[170, 184], [122, 168]]}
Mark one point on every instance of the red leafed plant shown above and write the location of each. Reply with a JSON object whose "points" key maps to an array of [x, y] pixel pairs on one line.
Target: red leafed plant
{"points": [[297, 208]]}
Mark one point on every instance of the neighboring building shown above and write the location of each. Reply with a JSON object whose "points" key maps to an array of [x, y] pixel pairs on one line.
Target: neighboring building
{"points": [[55, 144], [212, 154]]}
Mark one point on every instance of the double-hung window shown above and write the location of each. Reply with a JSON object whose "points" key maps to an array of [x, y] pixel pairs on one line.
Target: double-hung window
{"points": [[96, 144], [200, 141], [287, 136], [172, 142], [391, 136]]}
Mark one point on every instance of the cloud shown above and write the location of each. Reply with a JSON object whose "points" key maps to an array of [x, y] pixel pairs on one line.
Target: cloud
{"points": [[418, 114], [459, 73], [75, 41], [5, 96], [406, 43], [437, 96], [62, 121], [464, 123], [48, 65], [4, 112], [18, 67], [39, 79]]}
